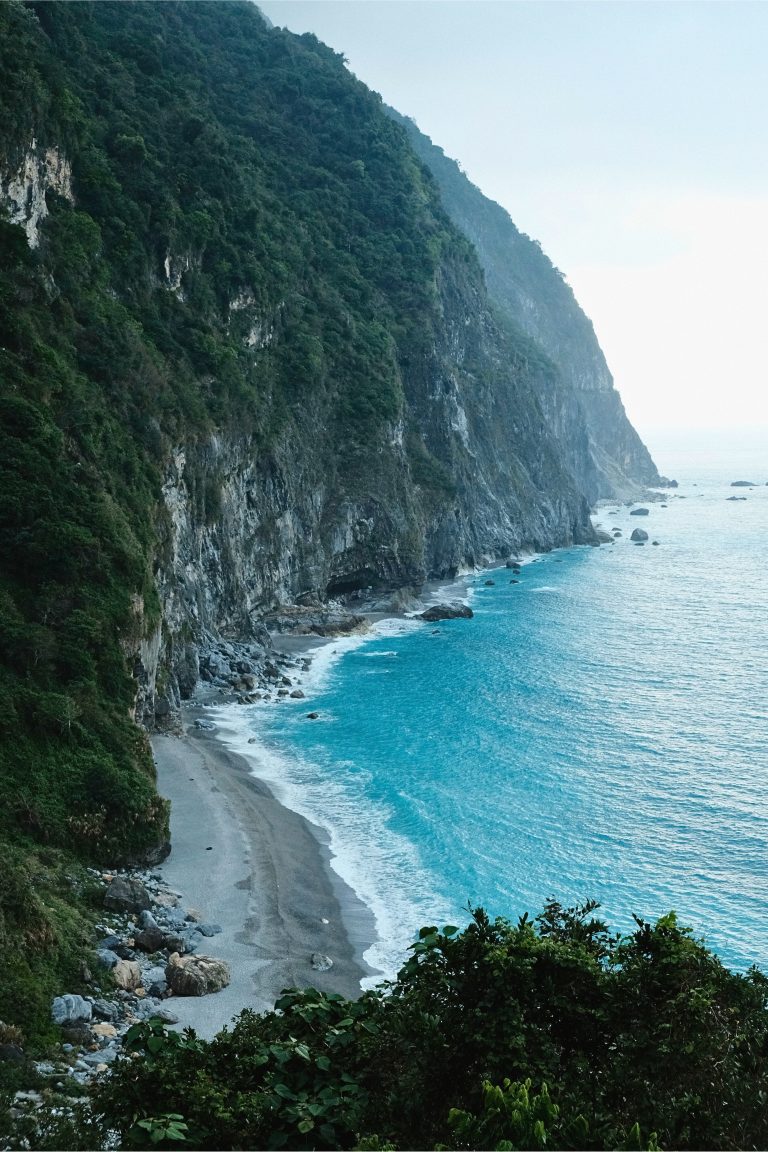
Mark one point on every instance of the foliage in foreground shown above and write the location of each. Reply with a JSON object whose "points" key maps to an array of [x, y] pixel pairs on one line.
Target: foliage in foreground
{"points": [[550, 1033]]}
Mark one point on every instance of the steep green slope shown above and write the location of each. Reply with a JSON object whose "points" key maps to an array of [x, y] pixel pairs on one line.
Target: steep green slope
{"points": [[245, 354], [528, 288]]}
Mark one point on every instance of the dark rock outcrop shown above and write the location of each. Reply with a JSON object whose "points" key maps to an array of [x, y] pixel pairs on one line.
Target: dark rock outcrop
{"points": [[126, 895], [455, 611]]}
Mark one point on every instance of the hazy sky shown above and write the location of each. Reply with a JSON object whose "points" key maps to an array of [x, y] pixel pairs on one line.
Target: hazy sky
{"points": [[631, 139]]}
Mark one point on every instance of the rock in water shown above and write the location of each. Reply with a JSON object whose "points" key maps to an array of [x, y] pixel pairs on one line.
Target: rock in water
{"points": [[743, 484], [639, 534], [321, 962], [124, 895], [196, 975], [639, 512], [455, 611]]}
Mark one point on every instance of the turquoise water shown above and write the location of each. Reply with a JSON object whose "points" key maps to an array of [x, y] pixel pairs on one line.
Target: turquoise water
{"points": [[597, 730]]}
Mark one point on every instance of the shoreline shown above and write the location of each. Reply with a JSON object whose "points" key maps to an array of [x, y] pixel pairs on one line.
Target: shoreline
{"points": [[263, 873], [245, 860]]}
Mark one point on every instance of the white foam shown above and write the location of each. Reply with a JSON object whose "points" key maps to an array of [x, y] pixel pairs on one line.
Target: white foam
{"points": [[381, 866]]}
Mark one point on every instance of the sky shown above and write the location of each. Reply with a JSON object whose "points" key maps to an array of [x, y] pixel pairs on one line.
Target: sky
{"points": [[630, 139]]}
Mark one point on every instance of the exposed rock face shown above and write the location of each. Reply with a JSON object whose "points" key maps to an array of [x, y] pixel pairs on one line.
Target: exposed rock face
{"points": [[584, 411], [282, 526], [23, 190]]}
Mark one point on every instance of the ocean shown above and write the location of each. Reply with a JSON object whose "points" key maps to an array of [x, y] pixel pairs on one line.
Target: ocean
{"points": [[598, 730]]}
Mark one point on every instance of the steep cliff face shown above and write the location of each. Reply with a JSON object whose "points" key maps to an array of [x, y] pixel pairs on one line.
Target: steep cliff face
{"points": [[246, 356], [604, 453], [296, 519]]}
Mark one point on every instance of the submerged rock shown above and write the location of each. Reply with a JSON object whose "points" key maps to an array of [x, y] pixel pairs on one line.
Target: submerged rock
{"points": [[454, 611], [321, 962]]}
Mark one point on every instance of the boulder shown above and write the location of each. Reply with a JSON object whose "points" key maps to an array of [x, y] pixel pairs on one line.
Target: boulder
{"points": [[639, 535], [180, 943], [206, 725], [69, 1008], [513, 564], [454, 611], [312, 715], [208, 929], [490, 584], [124, 895], [104, 1010], [603, 537], [321, 962], [297, 694], [743, 484], [107, 958], [127, 975], [196, 975], [150, 939], [639, 512], [77, 1032], [104, 1030]]}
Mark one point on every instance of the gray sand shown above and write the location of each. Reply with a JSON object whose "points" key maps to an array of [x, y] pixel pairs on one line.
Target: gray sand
{"points": [[260, 871]]}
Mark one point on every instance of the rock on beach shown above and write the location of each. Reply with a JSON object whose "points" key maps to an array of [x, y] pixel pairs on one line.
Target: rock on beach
{"points": [[196, 975]]}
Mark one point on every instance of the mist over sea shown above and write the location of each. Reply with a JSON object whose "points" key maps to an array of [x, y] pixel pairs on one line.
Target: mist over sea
{"points": [[599, 730]]}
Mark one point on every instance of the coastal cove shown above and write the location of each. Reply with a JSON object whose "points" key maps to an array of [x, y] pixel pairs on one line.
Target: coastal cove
{"points": [[596, 731]]}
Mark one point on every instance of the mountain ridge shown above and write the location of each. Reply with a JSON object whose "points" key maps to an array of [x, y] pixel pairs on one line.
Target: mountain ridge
{"points": [[610, 460]]}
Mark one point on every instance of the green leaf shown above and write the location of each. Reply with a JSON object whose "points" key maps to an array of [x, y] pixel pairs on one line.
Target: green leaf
{"points": [[306, 1125], [284, 1091]]}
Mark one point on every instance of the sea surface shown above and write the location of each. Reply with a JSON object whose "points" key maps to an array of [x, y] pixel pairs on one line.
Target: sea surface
{"points": [[598, 730]]}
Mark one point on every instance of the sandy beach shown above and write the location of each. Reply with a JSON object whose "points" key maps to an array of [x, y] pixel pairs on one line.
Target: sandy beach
{"points": [[260, 871]]}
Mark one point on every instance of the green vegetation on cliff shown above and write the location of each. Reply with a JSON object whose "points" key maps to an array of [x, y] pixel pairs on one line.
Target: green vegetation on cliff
{"points": [[550, 1033], [229, 242]]}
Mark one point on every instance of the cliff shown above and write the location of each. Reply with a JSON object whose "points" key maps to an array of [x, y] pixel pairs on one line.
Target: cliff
{"points": [[602, 449], [246, 356]]}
